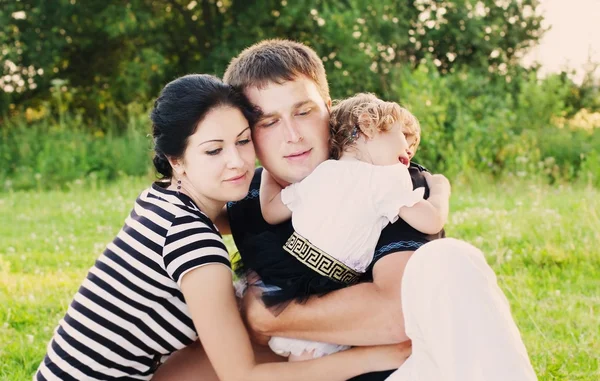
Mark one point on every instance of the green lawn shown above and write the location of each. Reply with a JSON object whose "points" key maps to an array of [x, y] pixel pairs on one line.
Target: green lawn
{"points": [[543, 242]]}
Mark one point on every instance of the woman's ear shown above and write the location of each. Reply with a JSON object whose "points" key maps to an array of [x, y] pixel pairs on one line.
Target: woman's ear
{"points": [[177, 165]]}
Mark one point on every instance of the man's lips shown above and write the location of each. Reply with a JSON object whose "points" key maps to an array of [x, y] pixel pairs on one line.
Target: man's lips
{"points": [[298, 155]]}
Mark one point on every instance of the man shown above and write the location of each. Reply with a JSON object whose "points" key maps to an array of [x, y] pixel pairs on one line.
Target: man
{"points": [[444, 298]]}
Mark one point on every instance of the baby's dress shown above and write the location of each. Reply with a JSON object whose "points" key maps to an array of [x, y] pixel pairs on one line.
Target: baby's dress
{"points": [[338, 213]]}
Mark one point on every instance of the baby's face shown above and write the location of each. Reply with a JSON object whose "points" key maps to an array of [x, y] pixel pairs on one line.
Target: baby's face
{"points": [[412, 140], [389, 147]]}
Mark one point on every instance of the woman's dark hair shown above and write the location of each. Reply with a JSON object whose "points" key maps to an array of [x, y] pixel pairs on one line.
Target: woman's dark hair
{"points": [[181, 106]]}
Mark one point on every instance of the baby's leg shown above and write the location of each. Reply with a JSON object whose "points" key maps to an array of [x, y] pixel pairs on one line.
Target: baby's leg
{"points": [[306, 355], [458, 319], [299, 350]]}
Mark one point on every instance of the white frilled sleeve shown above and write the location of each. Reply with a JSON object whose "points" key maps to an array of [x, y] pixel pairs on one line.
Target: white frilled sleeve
{"points": [[392, 188]]}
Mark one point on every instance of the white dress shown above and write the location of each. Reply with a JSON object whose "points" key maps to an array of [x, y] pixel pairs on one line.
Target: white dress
{"points": [[341, 208]]}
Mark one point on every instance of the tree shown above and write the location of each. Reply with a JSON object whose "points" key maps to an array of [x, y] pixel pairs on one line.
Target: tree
{"points": [[112, 53]]}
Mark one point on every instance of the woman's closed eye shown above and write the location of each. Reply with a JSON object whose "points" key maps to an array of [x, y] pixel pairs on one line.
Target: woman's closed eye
{"points": [[243, 142], [214, 152]]}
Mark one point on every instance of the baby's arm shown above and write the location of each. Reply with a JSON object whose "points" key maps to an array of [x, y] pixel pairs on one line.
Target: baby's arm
{"points": [[429, 216], [273, 209]]}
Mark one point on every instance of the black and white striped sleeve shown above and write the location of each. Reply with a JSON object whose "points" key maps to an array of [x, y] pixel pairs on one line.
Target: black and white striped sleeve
{"points": [[191, 243]]}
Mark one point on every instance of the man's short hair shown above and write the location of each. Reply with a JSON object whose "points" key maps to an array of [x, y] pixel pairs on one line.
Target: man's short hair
{"points": [[276, 61]]}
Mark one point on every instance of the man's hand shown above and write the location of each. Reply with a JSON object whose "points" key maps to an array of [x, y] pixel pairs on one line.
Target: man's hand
{"points": [[364, 314]]}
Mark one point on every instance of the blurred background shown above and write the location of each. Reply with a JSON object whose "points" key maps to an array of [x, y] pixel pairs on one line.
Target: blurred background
{"points": [[507, 92], [502, 87]]}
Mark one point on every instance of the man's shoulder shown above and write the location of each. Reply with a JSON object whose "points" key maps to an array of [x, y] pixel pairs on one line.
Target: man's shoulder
{"points": [[414, 167], [416, 172], [255, 184], [245, 215]]}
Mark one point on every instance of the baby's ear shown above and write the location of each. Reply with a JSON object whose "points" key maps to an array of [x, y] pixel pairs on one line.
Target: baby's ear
{"points": [[365, 124]]}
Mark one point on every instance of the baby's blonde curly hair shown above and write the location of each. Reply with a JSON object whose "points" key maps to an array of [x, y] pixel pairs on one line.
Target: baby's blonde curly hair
{"points": [[367, 114]]}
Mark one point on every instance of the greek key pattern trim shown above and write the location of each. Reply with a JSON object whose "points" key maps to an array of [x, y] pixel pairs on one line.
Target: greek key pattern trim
{"points": [[319, 261]]}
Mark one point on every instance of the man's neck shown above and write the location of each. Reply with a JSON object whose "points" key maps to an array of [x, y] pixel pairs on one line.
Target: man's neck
{"points": [[282, 183]]}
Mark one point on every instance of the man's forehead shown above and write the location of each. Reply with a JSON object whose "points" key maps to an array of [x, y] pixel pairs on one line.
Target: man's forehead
{"points": [[279, 97], [267, 104]]}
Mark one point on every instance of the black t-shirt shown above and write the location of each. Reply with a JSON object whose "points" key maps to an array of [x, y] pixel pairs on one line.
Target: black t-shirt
{"points": [[246, 222]]}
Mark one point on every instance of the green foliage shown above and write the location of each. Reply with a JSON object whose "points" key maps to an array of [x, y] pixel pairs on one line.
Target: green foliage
{"points": [[54, 154], [471, 123], [114, 53], [87, 67], [503, 125]]}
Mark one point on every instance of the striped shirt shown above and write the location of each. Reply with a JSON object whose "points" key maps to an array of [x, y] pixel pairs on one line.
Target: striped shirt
{"points": [[129, 314]]}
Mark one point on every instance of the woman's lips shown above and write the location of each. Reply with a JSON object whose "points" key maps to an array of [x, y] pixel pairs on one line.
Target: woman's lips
{"points": [[237, 178]]}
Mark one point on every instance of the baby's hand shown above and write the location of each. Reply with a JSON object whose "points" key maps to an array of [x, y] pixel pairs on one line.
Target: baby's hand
{"points": [[437, 182]]}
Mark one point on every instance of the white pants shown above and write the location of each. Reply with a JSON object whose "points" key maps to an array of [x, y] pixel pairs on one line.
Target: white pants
{"points": [[458, 319]]}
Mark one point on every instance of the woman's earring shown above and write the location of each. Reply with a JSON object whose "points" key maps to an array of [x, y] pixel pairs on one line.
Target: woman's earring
{"points": [[178, 185]]}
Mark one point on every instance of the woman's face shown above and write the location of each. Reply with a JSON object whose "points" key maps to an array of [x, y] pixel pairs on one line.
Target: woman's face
{"points": [[218, 162]]}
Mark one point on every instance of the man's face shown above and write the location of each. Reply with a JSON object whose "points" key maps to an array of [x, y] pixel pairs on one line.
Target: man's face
{"points": [[292, 136]]}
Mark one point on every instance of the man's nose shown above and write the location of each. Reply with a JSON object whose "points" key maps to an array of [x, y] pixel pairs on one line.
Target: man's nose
{"points": [[291, 133]]}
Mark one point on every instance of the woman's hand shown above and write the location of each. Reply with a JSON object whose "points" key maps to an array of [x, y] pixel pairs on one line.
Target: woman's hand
{"points": [[386, 357]]}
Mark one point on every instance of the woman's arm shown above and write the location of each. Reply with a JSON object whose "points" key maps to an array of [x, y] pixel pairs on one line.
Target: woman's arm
{"points": [[273, 209], [210, 298], [429, 216]]}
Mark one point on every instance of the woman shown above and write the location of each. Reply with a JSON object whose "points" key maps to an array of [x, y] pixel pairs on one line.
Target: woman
{"points": [[165, 280]]}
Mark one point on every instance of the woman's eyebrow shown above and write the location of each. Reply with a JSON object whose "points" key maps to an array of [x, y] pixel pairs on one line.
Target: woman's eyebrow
{"points": [[211, 141], [244, 130], [221, 140]]}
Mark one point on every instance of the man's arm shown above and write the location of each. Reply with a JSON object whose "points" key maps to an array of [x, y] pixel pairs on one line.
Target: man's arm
{"points": [[364, 314]]}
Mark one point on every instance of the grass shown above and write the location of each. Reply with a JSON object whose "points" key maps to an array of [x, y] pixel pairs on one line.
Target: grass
{"points": [[543, 242]]}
